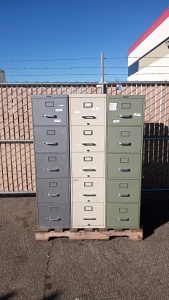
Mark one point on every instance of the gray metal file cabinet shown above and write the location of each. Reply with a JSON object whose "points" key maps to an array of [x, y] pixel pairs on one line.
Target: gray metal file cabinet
{"points": [[87, 144], [51, 144], [124, 135]]}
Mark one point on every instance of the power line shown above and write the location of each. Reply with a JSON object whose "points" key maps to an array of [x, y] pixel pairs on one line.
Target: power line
{"points": [[74, 68], [86, 74], [80, 58], [52, 68], [135, 74], [138, 57], [68, 74], [53, 59]]}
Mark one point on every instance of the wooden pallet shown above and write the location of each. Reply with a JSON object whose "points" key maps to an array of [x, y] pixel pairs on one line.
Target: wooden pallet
{"points": [[43, 234]]}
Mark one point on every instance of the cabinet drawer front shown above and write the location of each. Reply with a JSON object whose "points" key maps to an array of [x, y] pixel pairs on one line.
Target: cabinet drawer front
{"points": [[88, 190], [49, 110], [87, 110], [123, 165], [88, 164], [123, 216], [125, 111], [54, 215], [51, 139], [124, 139], [53, 190], [52, 165], [88, 215], [90, 138], [126, 191]]}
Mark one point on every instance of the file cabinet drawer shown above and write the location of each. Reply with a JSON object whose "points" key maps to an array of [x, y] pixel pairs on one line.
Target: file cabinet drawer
{"points": [[49, 110], [125, 111], [53, 190], [124, 139], [51, 139], [123, 166], [88, 164], [54, 215], [87, 139], [126, 191], [52, 165], [123, 216], [88, 215], [88, 190], [87, 110]]}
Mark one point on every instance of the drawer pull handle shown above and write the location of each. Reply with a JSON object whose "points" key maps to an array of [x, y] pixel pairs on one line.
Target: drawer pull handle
{"points": [[123, 195], [89, 219], [52, 170], [89, 195], [125, 116], [57, 219], [88, 117], [123, 170], [124, 219], [88, 144], [49, 116], [89, 170], [54, 195], [124, 144], [51, 144]]}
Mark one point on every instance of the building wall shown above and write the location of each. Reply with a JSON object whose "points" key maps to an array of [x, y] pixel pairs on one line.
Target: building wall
{"points": [[148, 57], [153, 56]]}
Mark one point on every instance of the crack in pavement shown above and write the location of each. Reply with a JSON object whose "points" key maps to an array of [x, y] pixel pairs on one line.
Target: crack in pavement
{"points": [[47, 267], [121, 274]]}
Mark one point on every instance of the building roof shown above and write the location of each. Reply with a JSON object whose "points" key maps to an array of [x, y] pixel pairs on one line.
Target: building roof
{"points": [[152, 28]]}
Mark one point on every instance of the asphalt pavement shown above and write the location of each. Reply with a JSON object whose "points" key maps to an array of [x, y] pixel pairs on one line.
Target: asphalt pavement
{"points": [[83, 270]]}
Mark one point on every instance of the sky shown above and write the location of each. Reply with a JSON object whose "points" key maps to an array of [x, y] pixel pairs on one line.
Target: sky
{"points": [[62, 40]]}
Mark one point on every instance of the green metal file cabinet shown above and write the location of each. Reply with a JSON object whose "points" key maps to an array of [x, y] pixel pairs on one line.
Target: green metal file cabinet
{"points": [[124, 137]]}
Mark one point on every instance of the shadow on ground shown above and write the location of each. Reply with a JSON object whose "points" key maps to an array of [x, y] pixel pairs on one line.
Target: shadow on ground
{"points": [[54, 296], [154, 211], [8, 296]]}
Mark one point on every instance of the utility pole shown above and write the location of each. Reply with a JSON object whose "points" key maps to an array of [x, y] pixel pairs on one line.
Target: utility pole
{"points": [[102, 71]]}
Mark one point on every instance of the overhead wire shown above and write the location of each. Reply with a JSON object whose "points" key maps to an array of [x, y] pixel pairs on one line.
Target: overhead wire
{"points": [[79, 58], [71, 68]]}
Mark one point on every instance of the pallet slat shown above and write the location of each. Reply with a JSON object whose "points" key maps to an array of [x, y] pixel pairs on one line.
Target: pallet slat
{"points": [[93, 234]]}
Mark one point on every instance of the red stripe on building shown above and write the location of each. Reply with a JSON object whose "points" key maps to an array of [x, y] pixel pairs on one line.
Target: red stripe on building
{"points": [[158, 22]]}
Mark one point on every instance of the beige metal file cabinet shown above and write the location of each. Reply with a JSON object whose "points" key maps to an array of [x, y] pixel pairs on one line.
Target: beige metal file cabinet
{"points": [[125, 117], [87, 144]]}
